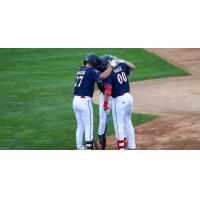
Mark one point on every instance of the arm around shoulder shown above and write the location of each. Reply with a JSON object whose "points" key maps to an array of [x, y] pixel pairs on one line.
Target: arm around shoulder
{"points": [[106, 73]]}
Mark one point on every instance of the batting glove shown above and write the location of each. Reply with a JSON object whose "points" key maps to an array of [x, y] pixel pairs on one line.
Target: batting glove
{"points": [[113, 63]]}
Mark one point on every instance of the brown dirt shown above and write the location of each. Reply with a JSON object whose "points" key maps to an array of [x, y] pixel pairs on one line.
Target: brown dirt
{"points": [[175, 99]]}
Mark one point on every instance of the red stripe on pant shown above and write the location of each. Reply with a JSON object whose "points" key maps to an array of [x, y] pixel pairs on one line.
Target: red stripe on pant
{"points": [[120, 144]]}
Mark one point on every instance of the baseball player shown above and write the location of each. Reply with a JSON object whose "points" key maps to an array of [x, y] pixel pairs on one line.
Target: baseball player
{"points": [[122, 102], [103, 116], [82, 102]]}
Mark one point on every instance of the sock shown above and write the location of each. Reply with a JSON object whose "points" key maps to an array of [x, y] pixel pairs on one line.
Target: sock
{"points": [[120, 144]]}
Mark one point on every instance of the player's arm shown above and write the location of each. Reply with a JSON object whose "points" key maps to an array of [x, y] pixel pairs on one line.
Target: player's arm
{"points": [[106, 73], [108, 93], [131, 66]]}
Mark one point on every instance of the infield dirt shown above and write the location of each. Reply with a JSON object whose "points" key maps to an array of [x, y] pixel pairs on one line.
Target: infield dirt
{"points": [[175, 99]]}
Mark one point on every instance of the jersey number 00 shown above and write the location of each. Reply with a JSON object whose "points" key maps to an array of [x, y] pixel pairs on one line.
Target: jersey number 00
{"points": [[122, 77]]}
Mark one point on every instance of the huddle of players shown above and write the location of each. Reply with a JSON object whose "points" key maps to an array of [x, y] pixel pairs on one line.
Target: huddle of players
{"points": [[111, 75]]}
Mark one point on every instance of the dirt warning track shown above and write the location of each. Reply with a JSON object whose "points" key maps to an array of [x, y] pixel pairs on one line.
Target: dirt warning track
{"points": [[175, 99]]}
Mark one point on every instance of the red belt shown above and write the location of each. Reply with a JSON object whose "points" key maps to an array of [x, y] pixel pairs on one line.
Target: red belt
{"points": [[83, 97]]}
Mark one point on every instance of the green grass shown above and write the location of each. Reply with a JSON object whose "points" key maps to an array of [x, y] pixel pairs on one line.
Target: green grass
{"points": [[36, 92]]}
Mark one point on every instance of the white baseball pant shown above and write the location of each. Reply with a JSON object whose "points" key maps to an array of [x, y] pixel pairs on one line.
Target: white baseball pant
{"points": [[84, 115], [103, 114], [122, 107]]}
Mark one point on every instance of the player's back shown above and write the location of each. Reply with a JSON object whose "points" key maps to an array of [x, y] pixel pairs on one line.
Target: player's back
{"points": [[119, 80], [85, 80]]}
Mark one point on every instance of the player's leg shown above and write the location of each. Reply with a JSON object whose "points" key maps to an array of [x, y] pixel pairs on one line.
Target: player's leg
{"points": [[79, 132], [102, 123], [102, 116], [129, 129], [118, 112], [80, 126], [87, 117], [125, 140]]}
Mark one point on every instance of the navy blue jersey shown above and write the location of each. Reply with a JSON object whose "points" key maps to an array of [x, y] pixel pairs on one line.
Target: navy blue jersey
{"points": [[85, 80], [119, 80], [101, 86]]}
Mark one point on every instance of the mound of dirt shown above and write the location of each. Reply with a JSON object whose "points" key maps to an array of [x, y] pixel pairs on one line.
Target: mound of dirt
{"points": [[187, 59], [175, 95]]}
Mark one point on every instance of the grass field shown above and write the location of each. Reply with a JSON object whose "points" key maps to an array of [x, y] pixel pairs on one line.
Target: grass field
{"points": [[36, 92]]}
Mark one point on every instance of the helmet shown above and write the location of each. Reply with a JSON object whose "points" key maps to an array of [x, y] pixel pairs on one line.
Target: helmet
{"points": [[100, 68], [91, 59], [105, 59]]}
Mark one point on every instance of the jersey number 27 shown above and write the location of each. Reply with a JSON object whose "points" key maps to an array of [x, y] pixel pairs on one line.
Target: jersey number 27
{"points": [[78, 81], [122, 77]]}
